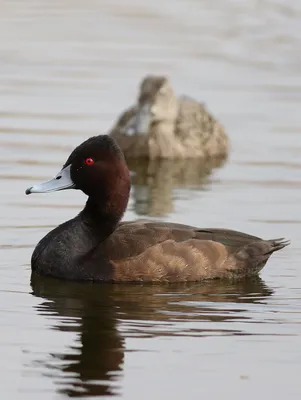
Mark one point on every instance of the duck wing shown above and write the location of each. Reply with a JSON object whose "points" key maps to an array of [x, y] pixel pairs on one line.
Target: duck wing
{"points": [[168, 252]]}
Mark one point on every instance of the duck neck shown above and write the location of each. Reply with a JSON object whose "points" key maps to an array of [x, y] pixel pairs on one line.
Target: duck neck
{"points": [[102, 214], [99, 221]]}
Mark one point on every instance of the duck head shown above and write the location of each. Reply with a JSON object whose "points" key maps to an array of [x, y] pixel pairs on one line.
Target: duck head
{"points": [[156, 103], [97, 167]]}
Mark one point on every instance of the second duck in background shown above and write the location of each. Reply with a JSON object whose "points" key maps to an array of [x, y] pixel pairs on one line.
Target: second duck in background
{"points": [[162, 125]]}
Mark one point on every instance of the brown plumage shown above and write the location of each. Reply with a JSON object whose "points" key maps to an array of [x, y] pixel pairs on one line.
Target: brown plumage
{"points": [[168, 252], [162, 125], [96, 246]]}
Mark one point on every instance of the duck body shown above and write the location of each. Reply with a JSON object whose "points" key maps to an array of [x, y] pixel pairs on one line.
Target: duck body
{"points": [[163, 126], [151, 252], [95, 246]]}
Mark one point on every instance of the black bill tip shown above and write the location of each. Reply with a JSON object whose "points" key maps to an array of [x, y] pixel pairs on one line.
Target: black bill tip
{"points": [[28, 191]]}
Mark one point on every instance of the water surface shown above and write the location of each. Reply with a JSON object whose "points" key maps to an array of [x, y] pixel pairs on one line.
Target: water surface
{"points": [[67, 70]]}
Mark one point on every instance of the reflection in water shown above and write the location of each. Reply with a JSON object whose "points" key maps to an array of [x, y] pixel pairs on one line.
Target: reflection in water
{"points": [[155, 181], [103, 315], [89, 311], [67, 69]]}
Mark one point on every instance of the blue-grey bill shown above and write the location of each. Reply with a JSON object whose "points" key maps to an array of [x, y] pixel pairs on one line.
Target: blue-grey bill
{"points": [[61, 181]]}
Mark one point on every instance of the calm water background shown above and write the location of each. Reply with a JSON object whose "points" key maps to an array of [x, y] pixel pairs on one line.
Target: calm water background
{"points": [[67, 69]]}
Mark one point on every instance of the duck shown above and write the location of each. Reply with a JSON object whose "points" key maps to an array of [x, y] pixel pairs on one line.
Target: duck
{"points": [[163, 126], [97, 246]]}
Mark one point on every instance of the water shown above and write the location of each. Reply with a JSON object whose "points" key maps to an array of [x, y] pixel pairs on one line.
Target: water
{"points": [[67, 70]]}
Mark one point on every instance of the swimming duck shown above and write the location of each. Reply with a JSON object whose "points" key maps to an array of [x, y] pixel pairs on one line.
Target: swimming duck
{"points": [[162, 125], [96, 246]]}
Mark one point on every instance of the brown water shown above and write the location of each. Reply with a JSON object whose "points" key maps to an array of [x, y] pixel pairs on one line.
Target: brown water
{"points": [[67, 69]]}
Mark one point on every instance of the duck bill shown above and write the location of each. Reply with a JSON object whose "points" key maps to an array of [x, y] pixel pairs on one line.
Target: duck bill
{"points": [[143, 119], [61, 181]]}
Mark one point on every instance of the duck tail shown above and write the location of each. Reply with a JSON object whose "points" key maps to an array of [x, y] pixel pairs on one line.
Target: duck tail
{"points": [[253, 256], [276, 244]]}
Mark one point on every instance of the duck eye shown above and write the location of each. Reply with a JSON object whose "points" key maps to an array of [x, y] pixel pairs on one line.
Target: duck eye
{"points": [[89, 161]]}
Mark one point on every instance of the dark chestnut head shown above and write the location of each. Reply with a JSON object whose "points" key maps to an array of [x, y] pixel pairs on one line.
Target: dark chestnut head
{"points": [[97, 167]]}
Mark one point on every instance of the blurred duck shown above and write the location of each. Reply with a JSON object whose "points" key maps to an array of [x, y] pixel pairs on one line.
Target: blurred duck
{"points": [[162, 125]]}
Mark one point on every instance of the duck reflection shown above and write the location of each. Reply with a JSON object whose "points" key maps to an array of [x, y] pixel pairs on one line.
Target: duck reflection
{"points": [[93, 362], [99, 313], [154, 181]]}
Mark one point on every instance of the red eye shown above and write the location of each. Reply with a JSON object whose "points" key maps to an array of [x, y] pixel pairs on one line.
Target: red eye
{"points": [[89, 161]]}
